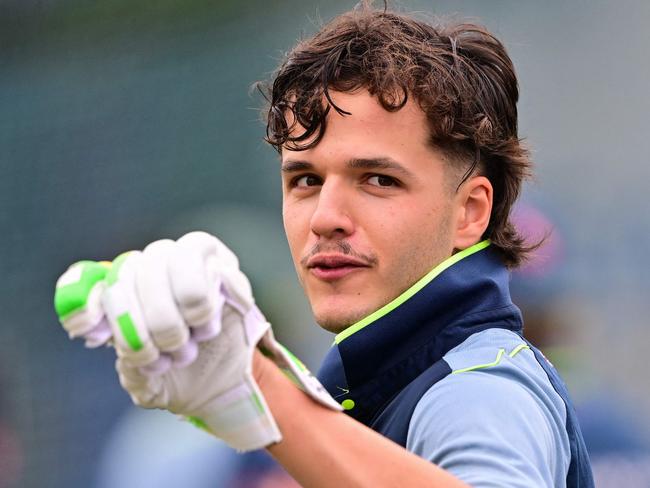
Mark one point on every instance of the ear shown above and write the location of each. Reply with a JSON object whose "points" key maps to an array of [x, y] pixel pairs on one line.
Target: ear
{"points": [[474, 205]]}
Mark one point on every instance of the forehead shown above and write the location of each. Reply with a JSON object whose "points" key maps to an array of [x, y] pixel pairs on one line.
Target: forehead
{"points": [[369, 130]]}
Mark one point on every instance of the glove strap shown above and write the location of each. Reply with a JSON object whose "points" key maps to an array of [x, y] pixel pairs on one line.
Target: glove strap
{"points": [[241, 418]]}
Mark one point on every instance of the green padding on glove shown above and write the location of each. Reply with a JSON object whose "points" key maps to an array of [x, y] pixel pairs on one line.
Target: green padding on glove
{"points": [[129, 331], [74, 286]]}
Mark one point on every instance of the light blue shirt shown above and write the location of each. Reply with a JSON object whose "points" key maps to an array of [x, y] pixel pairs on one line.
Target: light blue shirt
{"points": [[496, 421]]}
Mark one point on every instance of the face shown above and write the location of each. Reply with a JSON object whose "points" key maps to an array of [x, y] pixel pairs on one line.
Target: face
{"points": [[367, 211]]}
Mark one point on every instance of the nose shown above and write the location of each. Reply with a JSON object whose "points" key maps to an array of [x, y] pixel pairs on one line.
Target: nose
{"points": [[331, 218]]}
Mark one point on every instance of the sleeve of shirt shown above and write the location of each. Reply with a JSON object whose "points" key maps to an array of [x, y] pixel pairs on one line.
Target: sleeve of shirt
{"points": [[487, 430]]}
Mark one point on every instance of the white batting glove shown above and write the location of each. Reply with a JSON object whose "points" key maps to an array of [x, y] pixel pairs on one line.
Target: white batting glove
{"points": [[184, 323]]}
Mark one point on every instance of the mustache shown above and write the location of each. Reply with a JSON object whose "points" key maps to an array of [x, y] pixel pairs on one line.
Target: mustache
{"points": [[339, 246]]}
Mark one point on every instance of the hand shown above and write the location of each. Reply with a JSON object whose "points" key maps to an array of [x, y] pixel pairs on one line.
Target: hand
{"points": [[184, 324]]}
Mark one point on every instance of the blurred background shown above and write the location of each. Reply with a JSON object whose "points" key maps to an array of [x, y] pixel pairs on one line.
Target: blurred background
{"points": [[123, 122]]}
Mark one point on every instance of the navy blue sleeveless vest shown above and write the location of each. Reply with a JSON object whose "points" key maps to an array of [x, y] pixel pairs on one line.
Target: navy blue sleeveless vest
{"points": [[383, 369]]}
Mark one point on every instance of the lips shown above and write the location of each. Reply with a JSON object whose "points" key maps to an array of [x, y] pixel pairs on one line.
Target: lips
{"points": [[331, 267]]}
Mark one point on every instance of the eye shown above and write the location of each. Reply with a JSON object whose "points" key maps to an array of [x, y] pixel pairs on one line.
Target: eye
{"points": [[382, 180], [305, 181]]}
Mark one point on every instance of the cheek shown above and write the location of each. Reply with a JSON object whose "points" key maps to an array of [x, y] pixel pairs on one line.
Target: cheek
{"points": [[393, 233], [413, 239], [402, 223], [296, 227]]}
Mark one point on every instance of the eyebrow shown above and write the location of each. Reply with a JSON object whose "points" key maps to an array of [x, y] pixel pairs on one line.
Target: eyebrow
{"points": [[379, 163], [355, 163], [293, 166]]}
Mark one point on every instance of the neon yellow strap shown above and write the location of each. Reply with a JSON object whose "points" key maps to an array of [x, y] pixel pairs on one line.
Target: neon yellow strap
{"points": [[512, 354], [518, 349], [421, 283], [482, 366]]}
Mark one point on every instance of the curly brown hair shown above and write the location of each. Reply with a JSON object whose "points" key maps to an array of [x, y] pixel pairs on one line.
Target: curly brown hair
{"points": [[459, 74]]}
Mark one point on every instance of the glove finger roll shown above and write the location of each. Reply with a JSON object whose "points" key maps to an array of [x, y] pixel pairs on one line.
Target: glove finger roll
{"points": [[238, 288], [130, 335], [221, 265], [213, 327], [194, 292], [208, 245], [233, 280], [152, 284], [77, 299], [99, 335]]}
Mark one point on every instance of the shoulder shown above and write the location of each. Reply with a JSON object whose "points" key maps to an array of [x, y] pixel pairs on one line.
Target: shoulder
{"points": [[496, 418]]}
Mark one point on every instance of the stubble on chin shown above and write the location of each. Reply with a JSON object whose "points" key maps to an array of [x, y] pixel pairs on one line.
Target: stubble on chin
{"points": [[338, 322], [336, 319]]}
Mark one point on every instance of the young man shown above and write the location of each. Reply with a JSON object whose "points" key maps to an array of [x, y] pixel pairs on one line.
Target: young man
{"points": [[400, 163]]}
